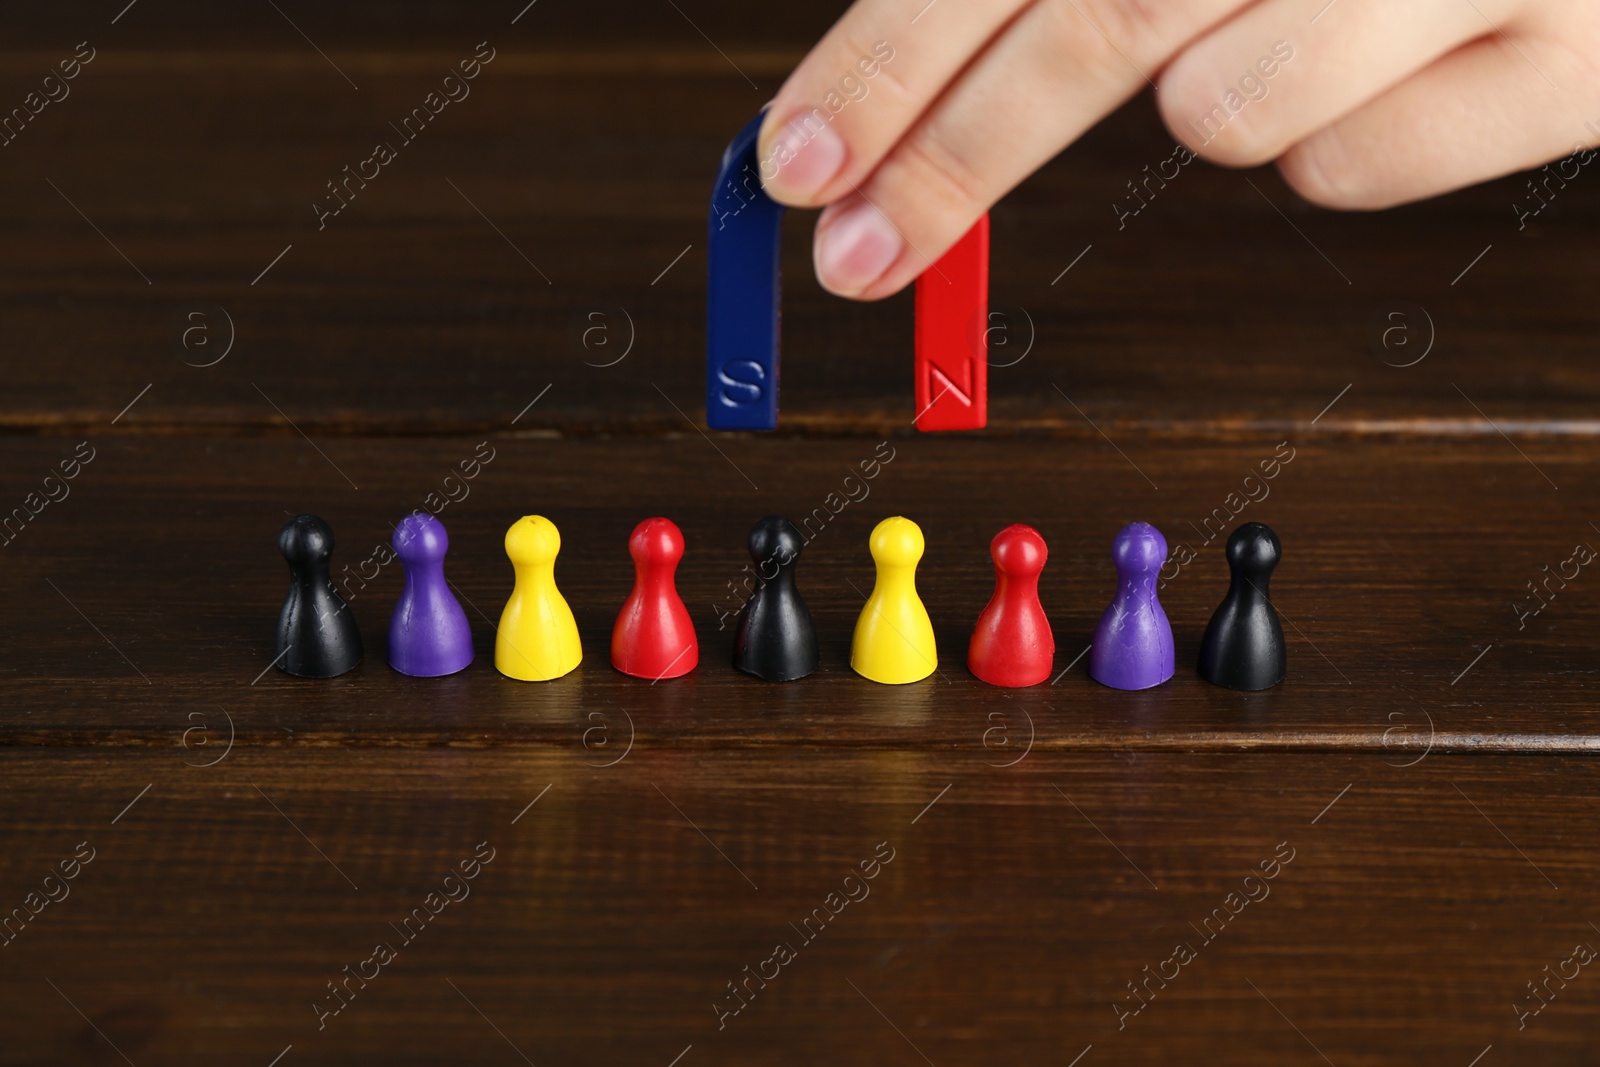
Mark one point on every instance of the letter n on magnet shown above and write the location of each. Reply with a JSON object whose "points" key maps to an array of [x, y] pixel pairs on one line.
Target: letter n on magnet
{"points": [[743, 294], [952, 360]]}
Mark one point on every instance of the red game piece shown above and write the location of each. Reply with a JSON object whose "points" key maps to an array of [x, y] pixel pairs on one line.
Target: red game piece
{"points": [[654, 637], [1012, 644], [952, 334]]}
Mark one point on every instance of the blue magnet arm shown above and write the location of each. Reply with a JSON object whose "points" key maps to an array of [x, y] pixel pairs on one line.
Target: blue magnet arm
{"points": [[744, 293]]}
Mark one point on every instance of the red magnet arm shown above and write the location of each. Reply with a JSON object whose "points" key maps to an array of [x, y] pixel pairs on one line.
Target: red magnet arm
{"points": [[952, 336]]}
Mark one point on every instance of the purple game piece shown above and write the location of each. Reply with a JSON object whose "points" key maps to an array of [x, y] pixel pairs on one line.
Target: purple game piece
{"points": [[1133, 643], [428, 632]]}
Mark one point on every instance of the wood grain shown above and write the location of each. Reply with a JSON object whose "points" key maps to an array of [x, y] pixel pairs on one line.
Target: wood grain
{"points": [[254, 834], [463, 279], [1017, 906], [1402, 565]]}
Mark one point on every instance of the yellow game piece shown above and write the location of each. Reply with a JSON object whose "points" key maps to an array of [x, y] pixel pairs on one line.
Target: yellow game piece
{"points": [[538, 637], [894, 637]]}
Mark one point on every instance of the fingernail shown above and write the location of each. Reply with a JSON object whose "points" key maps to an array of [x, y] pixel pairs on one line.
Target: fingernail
{"points": [[807, 154], [855, 248]]}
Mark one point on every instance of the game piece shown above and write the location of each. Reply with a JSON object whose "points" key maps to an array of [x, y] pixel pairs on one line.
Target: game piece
{"points": [[1133, 643], [654, 637], [776, 639], [952, 333], [1243, 647], [317, 634], [1012, 644], [428, 633], [893, 642], [538, 637], [743, 293]]}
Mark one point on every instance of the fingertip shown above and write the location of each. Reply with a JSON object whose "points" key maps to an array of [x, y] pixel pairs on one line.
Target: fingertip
{"points": [[1177, 98], [854, 249], [801, 156], [769, 133], [1321, 170], [1215, 124], [1302, 172]]}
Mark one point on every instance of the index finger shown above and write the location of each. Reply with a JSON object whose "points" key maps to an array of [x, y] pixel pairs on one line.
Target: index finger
{"points": [[863, 86]]}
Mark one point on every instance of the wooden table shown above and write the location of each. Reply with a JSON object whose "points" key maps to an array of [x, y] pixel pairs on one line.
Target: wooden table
{"points": [[1366, 865]]}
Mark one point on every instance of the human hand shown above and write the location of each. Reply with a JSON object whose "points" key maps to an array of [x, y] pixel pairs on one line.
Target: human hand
{"points": [[910, 118]]}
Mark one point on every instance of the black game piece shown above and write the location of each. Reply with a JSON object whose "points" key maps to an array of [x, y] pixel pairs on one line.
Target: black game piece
{"points": [[1243, 646], [776, 640], [317, 635]]}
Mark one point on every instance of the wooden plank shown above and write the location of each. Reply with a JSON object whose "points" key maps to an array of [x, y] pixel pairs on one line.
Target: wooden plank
{"points": [[467, 275], [360, 26], [1408, 910], [151, 590]]}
